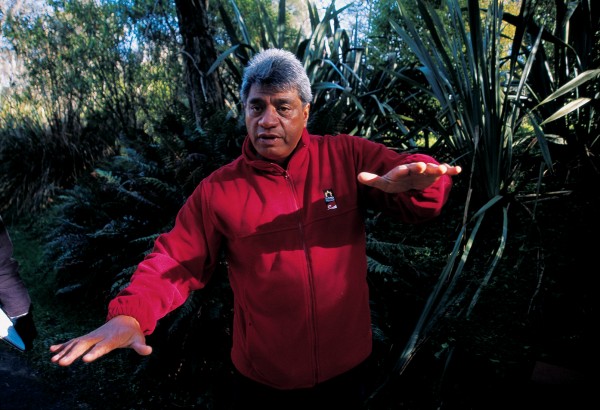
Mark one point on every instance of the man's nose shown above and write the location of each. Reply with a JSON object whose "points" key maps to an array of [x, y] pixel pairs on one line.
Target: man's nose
{"points": [[269, 118]]}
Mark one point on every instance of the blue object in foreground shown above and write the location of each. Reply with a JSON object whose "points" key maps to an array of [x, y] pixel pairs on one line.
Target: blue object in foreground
{"points": [[8, 332]]}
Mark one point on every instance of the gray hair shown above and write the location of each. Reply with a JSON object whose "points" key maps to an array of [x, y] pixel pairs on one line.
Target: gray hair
{"points": [[278, 70]]}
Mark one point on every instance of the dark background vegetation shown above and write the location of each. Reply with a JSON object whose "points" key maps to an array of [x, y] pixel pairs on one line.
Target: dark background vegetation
{"points": [[126, 105]]}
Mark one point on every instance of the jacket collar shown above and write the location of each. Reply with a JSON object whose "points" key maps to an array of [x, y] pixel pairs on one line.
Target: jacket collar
{"points": [[251, 158]]}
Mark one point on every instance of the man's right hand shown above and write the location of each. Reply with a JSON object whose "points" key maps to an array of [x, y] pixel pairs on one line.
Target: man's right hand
{"points": [[118, 332]]}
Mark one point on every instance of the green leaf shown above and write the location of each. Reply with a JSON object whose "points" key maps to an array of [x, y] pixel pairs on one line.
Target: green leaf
{"points": [[574, 83], [566, 109]]}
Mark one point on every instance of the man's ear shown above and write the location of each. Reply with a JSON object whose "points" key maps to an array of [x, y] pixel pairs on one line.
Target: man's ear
{"points": [[305, 113]]}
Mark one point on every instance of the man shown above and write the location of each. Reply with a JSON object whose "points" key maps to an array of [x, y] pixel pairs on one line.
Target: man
{"points": [[289, 215], [14, 296]]}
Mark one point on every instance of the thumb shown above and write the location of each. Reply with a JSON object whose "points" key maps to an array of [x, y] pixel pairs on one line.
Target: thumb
{"points": [[141, 348], [367, 178]]}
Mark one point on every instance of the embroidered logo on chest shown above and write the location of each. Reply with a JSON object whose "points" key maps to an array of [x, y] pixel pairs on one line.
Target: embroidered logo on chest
{"points": [[329, 199]]}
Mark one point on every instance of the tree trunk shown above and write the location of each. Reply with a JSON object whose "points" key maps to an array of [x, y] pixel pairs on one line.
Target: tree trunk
{"points": [[199, 53]]}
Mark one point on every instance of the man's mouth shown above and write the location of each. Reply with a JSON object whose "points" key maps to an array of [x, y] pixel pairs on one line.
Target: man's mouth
{"points": [[268, 136], [268, 139]]}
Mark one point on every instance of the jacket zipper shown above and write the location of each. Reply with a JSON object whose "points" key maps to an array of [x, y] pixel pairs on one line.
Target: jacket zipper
{"points": [[311, 291]]}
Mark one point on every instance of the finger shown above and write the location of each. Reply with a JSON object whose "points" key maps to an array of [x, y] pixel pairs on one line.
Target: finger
{"points": [[431, 169], [367, 178], [56, 348], [70, 352], [373, 180], [60, 350], [141, 348], [96, 352], [441, 169], [451, 170], [455, 170], [416, 168]]}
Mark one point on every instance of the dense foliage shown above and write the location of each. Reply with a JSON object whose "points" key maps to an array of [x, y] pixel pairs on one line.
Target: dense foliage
{"points": [[122, 113]]}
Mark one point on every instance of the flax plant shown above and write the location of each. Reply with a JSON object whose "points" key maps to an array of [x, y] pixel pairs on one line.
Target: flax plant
{"points": [[352, 94], [489, 118]]}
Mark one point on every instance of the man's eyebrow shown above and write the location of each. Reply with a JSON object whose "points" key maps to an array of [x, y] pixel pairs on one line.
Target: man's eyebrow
{"points": [[283, 100], [279, 100], [255, 100]]}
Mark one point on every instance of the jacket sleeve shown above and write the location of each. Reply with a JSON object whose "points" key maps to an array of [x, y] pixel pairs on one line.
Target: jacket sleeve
{"points": [[414, 206], [182, 260], [14, 297]]}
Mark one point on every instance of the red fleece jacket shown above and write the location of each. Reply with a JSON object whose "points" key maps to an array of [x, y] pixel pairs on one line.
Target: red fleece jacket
{"points": [[295, 245]]}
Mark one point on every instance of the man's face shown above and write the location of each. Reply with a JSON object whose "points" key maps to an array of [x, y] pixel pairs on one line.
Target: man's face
{"points": [[275, 121]]}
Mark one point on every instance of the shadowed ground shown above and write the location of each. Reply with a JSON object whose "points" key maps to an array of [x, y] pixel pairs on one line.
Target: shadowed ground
{"points": [[22, 388]]}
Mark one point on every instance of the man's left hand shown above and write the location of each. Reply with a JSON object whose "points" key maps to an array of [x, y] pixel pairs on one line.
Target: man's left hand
{"points": [[416, 175]]}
